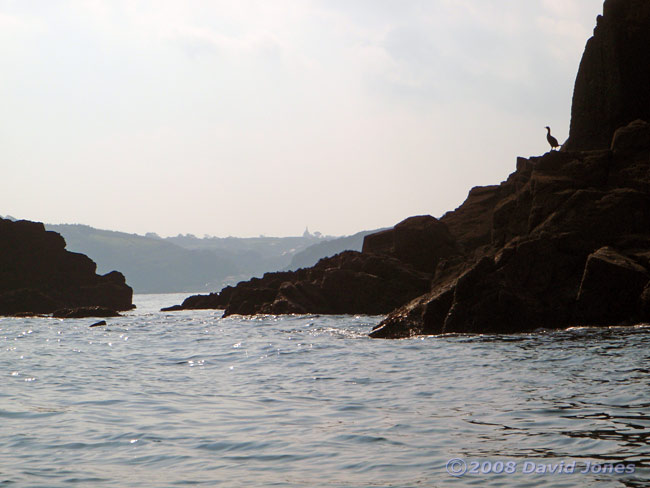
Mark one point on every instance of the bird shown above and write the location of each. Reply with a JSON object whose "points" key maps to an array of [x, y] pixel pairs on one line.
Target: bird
{"points": [[551, 140]]}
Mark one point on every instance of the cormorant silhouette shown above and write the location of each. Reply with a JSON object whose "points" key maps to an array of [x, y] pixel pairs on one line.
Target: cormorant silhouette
{"points": [[551, 140]]}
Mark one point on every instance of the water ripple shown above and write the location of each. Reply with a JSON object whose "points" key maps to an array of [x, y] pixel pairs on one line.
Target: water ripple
{"points": [[189, 398]]}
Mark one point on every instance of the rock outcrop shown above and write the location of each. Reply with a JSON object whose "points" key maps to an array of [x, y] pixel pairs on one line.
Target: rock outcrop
{"points": [[610, 288], [611, 88], [565, 240], [348, 283], [420, 241], [38, 275], [570, 244]]}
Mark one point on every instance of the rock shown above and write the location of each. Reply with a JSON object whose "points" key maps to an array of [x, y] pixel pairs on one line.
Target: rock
{"points": [[529, 284], [173, 308], [600, 216], [198, 302], [82, 312], [379, 243], [471, 223], [25, 302], [611, 288], [612, 87], [348, 283], [644, 313], [423, 316], [633, 137], [98, 324], [546, 219], [525, 242], [38, 275], [631, 154], [420, 241]]}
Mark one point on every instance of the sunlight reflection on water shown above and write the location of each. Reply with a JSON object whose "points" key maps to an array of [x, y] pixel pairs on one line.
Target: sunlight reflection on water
{"points": [[164, 399]]}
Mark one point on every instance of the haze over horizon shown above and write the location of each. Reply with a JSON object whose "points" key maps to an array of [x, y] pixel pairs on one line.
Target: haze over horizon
{"points": [[250, 118]]}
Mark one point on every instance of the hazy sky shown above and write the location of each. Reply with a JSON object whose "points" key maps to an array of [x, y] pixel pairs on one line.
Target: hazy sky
{"points": [[260, 117]]}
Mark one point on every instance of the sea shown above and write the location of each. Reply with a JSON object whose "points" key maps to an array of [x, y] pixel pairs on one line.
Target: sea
{"points": [[176, 399]]}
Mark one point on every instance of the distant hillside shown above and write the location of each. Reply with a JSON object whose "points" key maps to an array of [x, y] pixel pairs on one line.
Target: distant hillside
{"points": [[184, 263], [150, 265], [311, 255], [253, 256]]}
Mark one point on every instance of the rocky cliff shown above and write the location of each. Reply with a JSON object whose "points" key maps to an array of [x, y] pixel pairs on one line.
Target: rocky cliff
{"points": [[569, 244], [611, 89], [38, 275], [564, 240]]}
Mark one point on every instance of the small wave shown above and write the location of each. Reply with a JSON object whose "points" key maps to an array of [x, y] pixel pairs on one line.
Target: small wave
{"points": [[30, 414]]}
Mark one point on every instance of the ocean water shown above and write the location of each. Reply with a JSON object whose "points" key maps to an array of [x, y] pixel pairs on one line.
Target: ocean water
{"points": [[190, 399]]}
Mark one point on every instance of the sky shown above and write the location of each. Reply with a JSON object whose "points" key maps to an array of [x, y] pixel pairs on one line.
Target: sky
{"points": [[246, 118]]}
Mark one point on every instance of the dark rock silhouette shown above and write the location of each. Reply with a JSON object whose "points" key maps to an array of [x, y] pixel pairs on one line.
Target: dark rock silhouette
{"points": [[419, 241], [565, 240], [645, 302], [540, 261], [350, 282], [611, 287], [38, 275], [611, 89], [547, 264]]}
